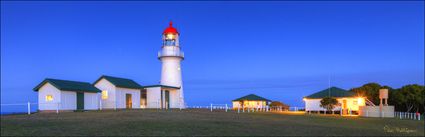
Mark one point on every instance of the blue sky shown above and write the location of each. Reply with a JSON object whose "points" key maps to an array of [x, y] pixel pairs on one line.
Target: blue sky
{"points": [[279, 50]]}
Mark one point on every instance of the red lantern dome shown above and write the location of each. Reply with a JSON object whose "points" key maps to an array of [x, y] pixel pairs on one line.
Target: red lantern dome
{"points": [[170, 29]]}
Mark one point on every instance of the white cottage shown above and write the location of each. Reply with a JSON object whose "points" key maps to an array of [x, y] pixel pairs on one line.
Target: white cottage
{"points": [[347, 101], [54, 94], [250, 101], [119, 93], [122, 93]]}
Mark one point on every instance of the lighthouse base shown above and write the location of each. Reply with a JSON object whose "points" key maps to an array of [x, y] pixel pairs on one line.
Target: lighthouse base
{"points": [[163, 97]]}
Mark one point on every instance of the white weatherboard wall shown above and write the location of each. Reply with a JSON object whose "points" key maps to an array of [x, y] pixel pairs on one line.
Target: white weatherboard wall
{"points": [[68, 100], [153, 95], [104, 84], [314, 104], [236, 104], [48, 89], [174, 98], [121, 97], [249, 104], [91, 101]]}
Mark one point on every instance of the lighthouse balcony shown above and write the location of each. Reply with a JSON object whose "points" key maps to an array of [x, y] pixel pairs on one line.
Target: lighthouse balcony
{"points": [[170, 53]]}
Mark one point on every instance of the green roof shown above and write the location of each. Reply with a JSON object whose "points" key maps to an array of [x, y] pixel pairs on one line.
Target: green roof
{"points": [[162, 86], [333, 92], [67, 85], [121, 82], [251, 97]]}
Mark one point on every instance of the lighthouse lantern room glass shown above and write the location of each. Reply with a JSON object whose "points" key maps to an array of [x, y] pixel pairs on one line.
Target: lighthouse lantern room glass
{"points": [[170, 43], [170, 36]]}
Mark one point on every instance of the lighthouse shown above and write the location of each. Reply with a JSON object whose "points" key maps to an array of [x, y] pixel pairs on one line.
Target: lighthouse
{"points": [[171, 56]]}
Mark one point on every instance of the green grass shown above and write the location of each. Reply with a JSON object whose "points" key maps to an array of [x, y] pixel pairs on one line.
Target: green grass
{"points": [[201, 122]]}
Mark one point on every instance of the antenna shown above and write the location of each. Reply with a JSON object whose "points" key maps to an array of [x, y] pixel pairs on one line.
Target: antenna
{"points": [[329, 85]]}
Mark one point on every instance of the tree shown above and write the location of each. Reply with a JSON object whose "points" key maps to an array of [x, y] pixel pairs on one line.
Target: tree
{"points": [[328, 103], [369, 90], [411, 97], [279, 104]]}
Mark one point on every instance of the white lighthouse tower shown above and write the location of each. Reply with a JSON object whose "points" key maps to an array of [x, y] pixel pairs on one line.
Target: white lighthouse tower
{"points": [[171, 56]]}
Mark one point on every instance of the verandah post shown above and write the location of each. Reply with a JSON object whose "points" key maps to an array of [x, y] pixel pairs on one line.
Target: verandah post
{"points": [[100, 104], [226, 107], [57, 108]]}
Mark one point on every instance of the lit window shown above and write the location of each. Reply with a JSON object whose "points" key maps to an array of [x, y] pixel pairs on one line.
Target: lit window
{"points": [[104, 94], [170, 36], [355, 102], [49, 98]]}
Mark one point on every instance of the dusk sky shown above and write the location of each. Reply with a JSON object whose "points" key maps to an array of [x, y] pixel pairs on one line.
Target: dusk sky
{"points": [[278, 50]]}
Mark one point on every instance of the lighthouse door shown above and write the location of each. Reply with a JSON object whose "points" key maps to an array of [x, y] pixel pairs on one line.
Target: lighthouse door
{"points": [[167, 99]]}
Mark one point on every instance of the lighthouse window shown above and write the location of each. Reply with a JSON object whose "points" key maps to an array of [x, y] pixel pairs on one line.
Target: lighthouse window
{"points": [[170, 42], [171, 36]]}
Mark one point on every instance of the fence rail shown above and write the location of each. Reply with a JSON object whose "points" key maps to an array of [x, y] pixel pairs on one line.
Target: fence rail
{"points": [[28, 106]]}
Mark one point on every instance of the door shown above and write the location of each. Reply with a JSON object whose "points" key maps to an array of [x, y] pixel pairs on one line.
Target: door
{"points": [[167, 99], [128, 101], [344, 107], [344, 104], [80, 101], [143, 101]]}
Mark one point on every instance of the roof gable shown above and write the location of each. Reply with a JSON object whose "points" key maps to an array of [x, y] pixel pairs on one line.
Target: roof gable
{"points": [[120, 82], [252, 97], [333, 92], [67, 85]]}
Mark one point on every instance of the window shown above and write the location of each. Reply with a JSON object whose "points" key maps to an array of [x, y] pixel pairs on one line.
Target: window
{"points": [[49, 98], [355, 102], [104, 94]]}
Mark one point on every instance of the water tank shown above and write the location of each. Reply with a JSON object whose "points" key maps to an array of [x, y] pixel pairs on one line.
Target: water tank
{"points": [[383, 93]]}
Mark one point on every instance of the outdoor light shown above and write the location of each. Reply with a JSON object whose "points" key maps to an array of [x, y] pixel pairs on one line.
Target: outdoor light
{"points": [[359, 100]]}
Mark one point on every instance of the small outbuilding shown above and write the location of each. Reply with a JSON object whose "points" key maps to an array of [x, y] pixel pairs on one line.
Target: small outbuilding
{"points": [[250, 101], [119, 93], [347, 101], [163, 96], [55, 94]]}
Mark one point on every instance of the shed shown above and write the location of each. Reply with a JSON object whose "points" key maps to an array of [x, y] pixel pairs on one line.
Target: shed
{"points": [[55, 94]]}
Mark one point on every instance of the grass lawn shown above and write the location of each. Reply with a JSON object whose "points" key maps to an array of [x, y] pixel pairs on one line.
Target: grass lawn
{"points": [[201, 122]]}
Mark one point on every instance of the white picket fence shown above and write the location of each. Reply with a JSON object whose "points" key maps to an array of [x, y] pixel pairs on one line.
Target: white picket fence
{"points": [[226, 108], [407, 115], [28, 106]]}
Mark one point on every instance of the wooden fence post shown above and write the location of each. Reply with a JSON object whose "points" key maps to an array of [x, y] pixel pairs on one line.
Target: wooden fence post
{"points": [[29, 108]]}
